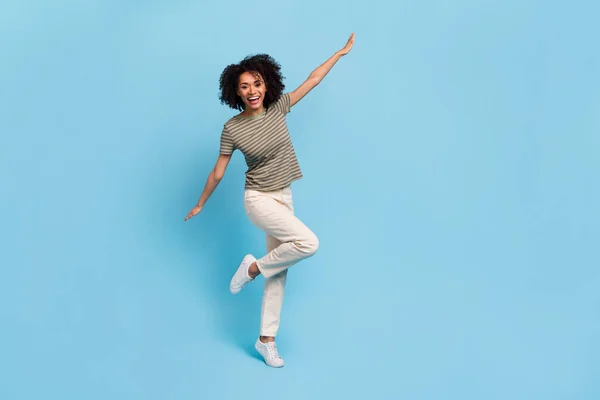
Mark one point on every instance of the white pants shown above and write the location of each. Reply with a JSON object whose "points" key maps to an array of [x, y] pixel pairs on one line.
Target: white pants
{"points": [[288, 241]]}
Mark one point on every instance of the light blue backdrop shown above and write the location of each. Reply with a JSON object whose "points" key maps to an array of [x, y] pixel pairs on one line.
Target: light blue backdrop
{"points": [[451, 173]]}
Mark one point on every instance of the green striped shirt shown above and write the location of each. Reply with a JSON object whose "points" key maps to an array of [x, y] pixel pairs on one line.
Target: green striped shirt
{"points": [[265, 142]]}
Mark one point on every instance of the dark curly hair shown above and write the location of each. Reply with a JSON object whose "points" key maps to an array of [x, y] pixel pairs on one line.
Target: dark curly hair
{"points": [[265, 65]]}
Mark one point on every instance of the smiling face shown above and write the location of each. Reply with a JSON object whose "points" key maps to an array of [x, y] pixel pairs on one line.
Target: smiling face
{"points": [[252, 89]]}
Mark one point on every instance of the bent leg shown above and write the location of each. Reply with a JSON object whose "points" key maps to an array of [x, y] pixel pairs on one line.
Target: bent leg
{"points": [[276, 219]]}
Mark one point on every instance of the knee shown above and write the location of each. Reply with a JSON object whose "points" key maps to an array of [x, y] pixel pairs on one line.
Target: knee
{"points": [[309, 245]]}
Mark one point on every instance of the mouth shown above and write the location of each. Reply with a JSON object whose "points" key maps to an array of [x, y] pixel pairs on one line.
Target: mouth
{"points": [[253, 100]]}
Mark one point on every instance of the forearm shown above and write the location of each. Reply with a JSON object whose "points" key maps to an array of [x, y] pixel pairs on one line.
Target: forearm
{"points": [[211, 183], [319, 73]]}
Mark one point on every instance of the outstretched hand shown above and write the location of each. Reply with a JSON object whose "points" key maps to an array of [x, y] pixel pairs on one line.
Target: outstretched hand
{"points": [[348, 46], [194, 211]]}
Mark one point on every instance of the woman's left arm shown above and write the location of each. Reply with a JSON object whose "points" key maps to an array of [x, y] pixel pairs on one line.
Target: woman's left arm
{"points": [[318, 74]]}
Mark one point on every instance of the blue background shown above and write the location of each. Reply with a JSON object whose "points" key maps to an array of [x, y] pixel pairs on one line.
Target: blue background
{"points": [[451, 172]]}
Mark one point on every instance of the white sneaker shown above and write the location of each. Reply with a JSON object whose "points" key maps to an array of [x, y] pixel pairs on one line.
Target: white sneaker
{"points": [[269, 352], [241, 277]]}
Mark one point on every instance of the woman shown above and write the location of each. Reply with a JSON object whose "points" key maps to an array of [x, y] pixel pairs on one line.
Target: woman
{"points": [[255, 87]]}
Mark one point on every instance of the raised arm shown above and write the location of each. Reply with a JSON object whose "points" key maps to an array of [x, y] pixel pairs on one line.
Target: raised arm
{"points": [[318, 74]]}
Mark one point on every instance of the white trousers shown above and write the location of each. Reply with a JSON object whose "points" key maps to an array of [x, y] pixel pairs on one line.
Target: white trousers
{"points": [[288, 241]]}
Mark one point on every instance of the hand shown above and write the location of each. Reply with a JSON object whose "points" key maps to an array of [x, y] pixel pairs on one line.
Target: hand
{"points": [[193, 212], [348, 46]]}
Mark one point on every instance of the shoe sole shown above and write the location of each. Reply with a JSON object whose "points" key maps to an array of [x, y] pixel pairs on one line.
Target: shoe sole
{"points": [[246, 258]]}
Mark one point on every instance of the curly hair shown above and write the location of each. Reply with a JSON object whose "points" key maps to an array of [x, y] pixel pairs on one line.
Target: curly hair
{"points": [[265, 65]]}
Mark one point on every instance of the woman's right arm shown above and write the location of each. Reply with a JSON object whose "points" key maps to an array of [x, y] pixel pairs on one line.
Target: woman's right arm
{"points": [[213, 180]]}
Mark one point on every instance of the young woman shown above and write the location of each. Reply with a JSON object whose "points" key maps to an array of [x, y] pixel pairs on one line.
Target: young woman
{"points": [[255, 87]]}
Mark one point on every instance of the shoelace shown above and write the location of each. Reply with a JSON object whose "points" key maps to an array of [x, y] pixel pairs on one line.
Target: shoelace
{"points": [[272, 350], [242, 282]]}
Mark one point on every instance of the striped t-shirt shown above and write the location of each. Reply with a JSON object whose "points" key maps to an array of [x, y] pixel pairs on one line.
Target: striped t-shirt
{"points": [[265, 142]]}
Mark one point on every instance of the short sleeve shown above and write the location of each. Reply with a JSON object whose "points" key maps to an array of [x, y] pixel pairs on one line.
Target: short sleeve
{"points": [[283, 104], [226, 147]]}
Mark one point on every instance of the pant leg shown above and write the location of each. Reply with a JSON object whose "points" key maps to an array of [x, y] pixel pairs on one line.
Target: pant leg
{"points": [[272, 212], [272, 301]]}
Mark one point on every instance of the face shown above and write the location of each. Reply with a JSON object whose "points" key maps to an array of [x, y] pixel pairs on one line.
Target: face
{"points": [[252, 89]]}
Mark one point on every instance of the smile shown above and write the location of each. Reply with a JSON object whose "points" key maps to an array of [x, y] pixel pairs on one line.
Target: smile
{"points": [[254, 100]]}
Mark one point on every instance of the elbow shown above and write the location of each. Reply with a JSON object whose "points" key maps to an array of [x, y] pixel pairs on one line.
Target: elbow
{"points": [[217, 175], [315, 79]]}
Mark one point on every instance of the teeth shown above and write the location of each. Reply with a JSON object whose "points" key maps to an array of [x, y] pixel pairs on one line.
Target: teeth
{"points": [[253, 98]]}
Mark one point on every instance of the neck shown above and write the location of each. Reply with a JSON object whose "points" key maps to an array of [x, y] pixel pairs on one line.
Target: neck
{"points": [[250, 112]]}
